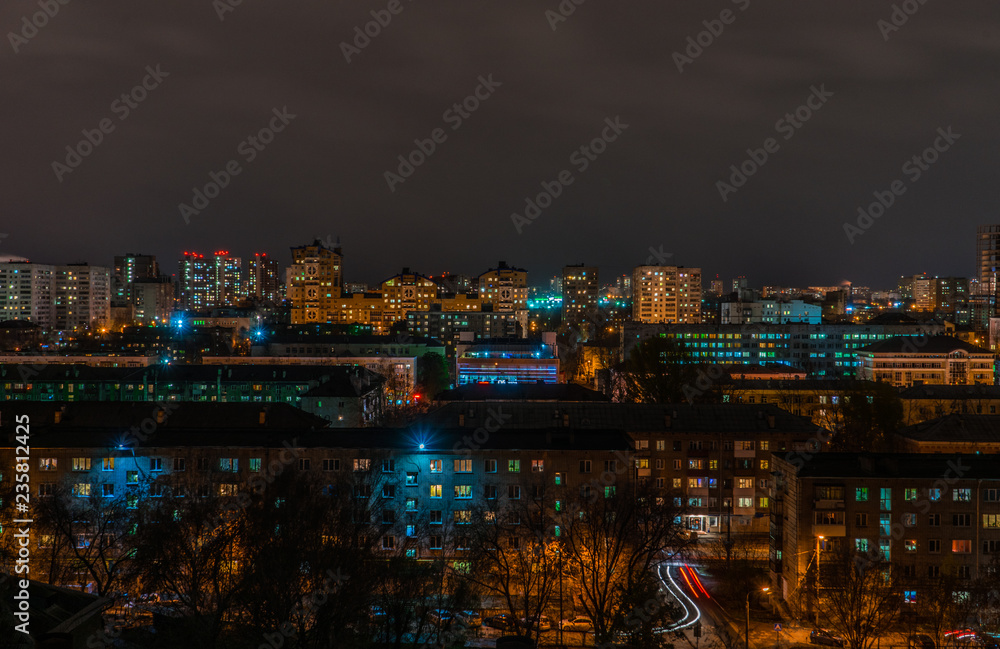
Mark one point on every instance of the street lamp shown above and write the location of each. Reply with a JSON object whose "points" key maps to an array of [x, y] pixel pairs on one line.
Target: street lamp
{"points": [[818, 539], [763, 590]]}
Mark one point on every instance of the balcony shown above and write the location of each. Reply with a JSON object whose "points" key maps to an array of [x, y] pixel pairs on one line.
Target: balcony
{"points": [[829, 530], [828, 504]]}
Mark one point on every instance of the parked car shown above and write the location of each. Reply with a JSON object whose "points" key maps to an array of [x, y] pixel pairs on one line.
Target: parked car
{"points": [[439, 615], [471, 619], [542, 624], [824, 637], [921, 641], [579, 623], [502, 621]]}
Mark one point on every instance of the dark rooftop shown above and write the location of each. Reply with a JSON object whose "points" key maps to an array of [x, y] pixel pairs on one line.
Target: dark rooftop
{"points": [[631, 417], [955, 428], [123, 415], [521, 392], [931, 345], [388, 439], [977, 391], [896, 465], [177, 373]]}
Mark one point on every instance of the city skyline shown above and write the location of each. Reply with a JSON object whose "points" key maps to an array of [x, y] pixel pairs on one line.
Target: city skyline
{"points": [[823, 108], [536, 279]]}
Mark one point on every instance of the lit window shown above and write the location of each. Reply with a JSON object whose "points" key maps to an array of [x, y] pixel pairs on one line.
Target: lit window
{"points": [[436, 491]]}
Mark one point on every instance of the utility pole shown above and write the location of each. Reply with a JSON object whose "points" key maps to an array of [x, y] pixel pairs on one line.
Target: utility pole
{"points": [[818, 539], [560, 598]]}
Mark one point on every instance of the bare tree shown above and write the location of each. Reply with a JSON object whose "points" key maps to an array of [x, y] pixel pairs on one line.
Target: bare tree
{"points": [[88, 535], [863, 597], [613, 541], [516, 555]]}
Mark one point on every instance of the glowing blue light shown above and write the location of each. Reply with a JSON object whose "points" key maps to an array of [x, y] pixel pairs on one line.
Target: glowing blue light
{"points": [[421, 447]]}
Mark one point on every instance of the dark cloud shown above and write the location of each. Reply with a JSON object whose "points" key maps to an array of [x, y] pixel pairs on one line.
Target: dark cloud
{"points": [[653, 187]]}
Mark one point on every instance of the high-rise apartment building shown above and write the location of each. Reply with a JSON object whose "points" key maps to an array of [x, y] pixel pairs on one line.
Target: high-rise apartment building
{"points": [[264, 279], [153, 300], [580, 292], [315, 282], [670, 294], [505, 287], [227, 280], [987, 258], [194, 281], [82, 296], [129, 268], [934, 293], [27, 292], [207, 283]]}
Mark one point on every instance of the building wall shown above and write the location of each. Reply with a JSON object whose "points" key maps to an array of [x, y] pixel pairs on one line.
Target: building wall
{"points": [[903, 369], [27, 292], [669, 294], [923, 533], [823, 350]]}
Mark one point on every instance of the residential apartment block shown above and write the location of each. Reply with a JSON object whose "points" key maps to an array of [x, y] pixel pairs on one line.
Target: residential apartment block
{"points": [[667, 294], [928, 514]]}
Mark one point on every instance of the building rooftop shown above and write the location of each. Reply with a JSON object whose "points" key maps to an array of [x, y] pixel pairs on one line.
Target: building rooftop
{"points": [[977, 391], [631, 417], [82, 416], [930, 345], [956, 428], [158, 373], [521, 392], [895, 465], [387, 439]]}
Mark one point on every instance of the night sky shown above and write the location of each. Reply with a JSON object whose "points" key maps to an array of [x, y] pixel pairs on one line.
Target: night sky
{"points": [[654, 186]]}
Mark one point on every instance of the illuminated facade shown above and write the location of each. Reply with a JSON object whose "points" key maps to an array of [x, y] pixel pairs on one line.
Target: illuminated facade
{"points": [[579, 294], [194, 279], [507, 361], [82, 296], [940, 360], [227, 280], [264, 279], [27, 292], [505, 287], [130, 268], [669, 294], [315, 282], [824, 350]]}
